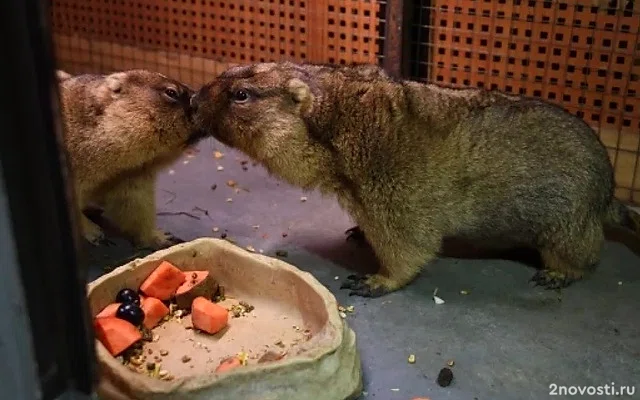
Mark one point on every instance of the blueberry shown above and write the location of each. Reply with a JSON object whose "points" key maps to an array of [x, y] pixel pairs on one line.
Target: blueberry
{"points": [[128, 296], [130, 312]]}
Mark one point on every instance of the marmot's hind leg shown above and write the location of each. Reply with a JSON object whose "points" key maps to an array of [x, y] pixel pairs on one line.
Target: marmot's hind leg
{"points": [[569, 252]]}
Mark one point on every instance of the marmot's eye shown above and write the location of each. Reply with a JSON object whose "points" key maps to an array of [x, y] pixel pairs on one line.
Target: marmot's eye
{"points": [[240, 96], [171, 93]]}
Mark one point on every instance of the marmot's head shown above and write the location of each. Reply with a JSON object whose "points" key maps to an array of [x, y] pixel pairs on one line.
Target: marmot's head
{"points": [[148, 110], [264, 110]]}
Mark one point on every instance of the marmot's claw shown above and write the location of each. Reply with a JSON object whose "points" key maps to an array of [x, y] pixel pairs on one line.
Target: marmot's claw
{"points": [[353, 280], [161, 240], [96, 237], [360, 285], [107, 242], [551, 280], [366, 291], [355, 234], [174, 239]]}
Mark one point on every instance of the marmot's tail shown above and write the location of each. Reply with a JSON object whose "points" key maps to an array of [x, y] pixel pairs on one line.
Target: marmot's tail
{"points": [[621, 215], [618, 215]]}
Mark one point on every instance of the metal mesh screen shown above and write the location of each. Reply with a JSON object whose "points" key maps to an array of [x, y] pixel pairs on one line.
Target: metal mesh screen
{"points": [[193, 40], [582, 55]]}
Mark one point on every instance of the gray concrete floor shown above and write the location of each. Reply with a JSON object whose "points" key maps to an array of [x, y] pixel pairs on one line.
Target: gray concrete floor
{"points": [[508, 339]]}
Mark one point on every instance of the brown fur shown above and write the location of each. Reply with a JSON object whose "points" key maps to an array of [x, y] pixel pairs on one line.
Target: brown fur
{"points": [[414, 163], [120, 130]]}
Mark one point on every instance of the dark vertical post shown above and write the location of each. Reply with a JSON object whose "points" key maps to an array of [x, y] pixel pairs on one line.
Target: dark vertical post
{"points": [[38, 245], [397, 38]]}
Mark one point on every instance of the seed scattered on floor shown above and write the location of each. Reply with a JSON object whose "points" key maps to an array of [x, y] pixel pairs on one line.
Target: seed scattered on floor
{"points": [[185, 162], [281, 253], [162, 373], [220, 168], [261, 251], [185, 359], [464, 292], [335, 278], [217, 154], [135, 361], [231, 183], [171, 172], [240, 309], [251, 249], [243, 357], [285, 234], [619, 283], [350, 309], [229, 200], [411, 359], [343, 314], [216, 229], [451, 363], [395, 390], [445, 377], [303, 199], [214, 186], [155, 338]]}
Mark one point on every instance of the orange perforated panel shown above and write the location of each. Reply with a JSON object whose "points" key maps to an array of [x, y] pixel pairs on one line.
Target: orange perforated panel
{"points": [[196, 39], [585, 58]]}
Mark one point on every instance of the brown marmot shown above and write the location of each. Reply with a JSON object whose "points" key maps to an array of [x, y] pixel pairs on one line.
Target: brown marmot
{"points": [[119, 131], [414, 163]]}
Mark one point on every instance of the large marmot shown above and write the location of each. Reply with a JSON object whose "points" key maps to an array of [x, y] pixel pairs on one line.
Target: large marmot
{"points": [[414, 163], [119, 130]]}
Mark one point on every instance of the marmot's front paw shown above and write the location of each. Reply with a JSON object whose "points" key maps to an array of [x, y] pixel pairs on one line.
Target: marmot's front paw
{"points": [[160, 240], [368, 285], [552, 280], [94, 235]]}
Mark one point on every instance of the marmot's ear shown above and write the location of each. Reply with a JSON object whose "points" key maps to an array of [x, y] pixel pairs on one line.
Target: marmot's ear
{"points": [[301, 93], [115, 81], [62, 75]]}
